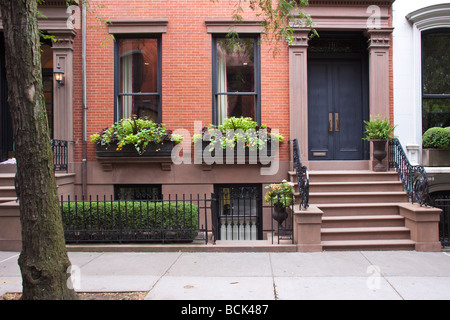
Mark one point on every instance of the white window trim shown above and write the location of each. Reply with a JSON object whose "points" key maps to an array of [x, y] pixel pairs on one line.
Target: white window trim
{"points": [[432, 17]]}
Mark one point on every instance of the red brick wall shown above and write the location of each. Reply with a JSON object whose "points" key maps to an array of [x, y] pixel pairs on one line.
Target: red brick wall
{"points": [[186, 68]]}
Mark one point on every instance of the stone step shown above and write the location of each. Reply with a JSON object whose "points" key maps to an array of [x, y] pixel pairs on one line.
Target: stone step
{"points": [[7, 191], [356, 186], [372, 233], [357, 209], [391, 244], [348, 176], [363, 221], [7, 179], [356, 197]]}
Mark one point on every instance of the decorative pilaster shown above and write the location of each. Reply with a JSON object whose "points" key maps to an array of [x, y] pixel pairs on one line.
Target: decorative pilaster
{"points": [[379, 45], [298, 89], [63, 95]]}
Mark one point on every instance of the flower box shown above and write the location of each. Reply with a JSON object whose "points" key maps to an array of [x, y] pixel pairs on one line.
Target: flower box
{"points": [[161, 153], [234, 155], [163, 149]]}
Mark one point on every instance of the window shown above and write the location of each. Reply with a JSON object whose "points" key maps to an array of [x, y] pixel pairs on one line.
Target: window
{"points": [[236, 79], [137, 192], [138, 78], [436, 79]]}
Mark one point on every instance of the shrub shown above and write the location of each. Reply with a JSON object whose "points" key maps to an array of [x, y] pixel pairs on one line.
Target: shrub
{"points": [[378, 129], [437, 137], [132, 216]]}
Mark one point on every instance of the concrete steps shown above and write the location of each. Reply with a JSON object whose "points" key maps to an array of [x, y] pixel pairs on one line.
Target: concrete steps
{"points": [[360, 210]]}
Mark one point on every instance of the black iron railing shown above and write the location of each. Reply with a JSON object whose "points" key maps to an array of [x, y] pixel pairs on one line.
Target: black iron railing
{"points": [[118, 221], [414, 178], [302, 176], [60, 155]]}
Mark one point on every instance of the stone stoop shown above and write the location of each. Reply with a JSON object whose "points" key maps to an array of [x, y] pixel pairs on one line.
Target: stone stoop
{"points": [[360, 210], [10, 229]]}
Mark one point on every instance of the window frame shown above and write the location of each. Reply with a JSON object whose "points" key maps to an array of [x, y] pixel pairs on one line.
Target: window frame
{"points": [[257, 77], [434, 95], [117, 66]]}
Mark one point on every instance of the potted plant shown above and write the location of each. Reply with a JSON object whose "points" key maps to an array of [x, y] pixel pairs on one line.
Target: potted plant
{"points": [[379, 132], [135, 137], [236, 133], [436, 147], [280, 196]]}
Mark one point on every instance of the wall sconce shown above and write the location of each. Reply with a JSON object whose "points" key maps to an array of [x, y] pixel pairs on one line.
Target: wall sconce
{"points": [[59, 75]]}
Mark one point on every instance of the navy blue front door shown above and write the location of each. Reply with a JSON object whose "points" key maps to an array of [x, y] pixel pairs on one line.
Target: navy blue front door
{"points": [[336, 109]]}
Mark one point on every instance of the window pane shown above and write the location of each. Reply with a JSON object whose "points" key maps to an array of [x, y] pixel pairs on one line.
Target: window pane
{"points": [[235, 106], [137, 192], [436, 113], [235, 68], [138, 65], [139, 105], [436, 63]]}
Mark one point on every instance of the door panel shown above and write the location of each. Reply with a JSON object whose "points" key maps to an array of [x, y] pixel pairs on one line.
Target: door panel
{"points": [[336, 110], [320, 98], [349, 107]]}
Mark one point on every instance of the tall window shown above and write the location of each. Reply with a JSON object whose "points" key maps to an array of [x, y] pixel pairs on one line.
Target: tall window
{"points": [[236, 80], [138, 78], [436, 79]]}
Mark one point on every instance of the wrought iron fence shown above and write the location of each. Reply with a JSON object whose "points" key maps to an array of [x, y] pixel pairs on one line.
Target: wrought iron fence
{"points": [[60, 155], [119, 221], [414, 178], [444, 223]]}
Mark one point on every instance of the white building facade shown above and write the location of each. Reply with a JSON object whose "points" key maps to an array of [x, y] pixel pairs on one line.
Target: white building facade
{"points": [[415, 22]]}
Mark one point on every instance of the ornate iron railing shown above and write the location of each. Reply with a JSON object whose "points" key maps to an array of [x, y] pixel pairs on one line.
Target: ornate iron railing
{"points": [[302, 176], [414, 178]]}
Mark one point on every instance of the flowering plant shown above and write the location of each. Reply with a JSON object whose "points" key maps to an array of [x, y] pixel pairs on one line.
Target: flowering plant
{"points": [[135, 131], [237, 130], [281, 194]]}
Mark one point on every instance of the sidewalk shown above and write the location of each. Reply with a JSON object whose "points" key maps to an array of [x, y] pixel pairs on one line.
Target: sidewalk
{"points": [[356, 275]]}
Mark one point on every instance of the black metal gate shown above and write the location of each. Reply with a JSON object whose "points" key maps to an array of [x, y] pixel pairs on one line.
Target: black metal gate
{"points": [[444, 224], [237, 212]]}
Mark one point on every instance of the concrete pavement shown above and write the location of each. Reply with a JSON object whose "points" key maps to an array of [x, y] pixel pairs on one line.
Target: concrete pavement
{"points": [[355, 275]]}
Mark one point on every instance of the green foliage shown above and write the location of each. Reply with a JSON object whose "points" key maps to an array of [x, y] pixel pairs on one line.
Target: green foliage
{"points": [[279, 18], [437, 137], [378, 129], [235, 131], [136, 131], [282, 193], [131, 215]]}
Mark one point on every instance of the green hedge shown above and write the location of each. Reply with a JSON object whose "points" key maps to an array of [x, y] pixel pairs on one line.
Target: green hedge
{"points": [[182, 217], [437, 137]]}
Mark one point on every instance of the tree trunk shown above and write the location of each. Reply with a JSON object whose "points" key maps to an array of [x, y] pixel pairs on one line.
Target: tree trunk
{"points": [[43, 260]]}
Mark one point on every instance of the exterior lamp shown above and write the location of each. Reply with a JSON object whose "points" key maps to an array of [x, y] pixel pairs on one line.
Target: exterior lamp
{"points": [[59, 75]]}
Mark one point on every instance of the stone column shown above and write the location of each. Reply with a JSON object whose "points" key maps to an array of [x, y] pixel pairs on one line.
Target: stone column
{"points": [[63, 95], [298, 90], [379, 45]]}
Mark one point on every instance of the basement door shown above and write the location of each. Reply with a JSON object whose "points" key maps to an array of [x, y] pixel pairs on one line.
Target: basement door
{"points": [[336, 109]]}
